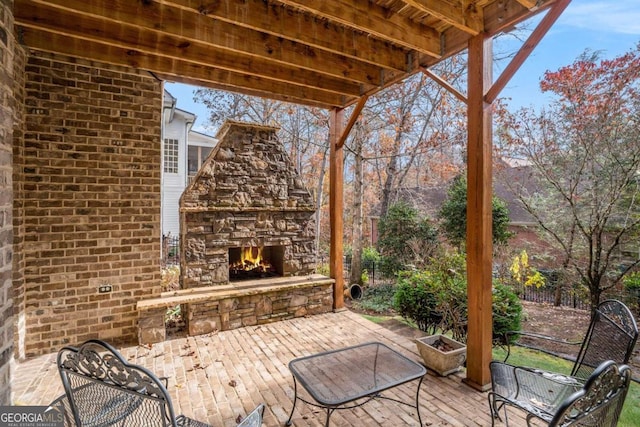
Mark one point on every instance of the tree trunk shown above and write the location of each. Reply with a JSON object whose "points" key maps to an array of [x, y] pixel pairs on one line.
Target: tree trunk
{"points": [[595, 288], [388, 184], [356, 258], [319, 189]]}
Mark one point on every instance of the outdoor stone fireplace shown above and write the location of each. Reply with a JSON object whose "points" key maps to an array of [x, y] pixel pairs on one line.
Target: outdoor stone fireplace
{"points": [[245, 206], [247, 236]]}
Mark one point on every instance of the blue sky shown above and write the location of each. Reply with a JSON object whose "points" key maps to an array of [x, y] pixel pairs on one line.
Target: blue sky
{"points": [[599, 25]]}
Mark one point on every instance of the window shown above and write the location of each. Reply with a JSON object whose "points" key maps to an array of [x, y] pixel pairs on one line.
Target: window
{"points": [[171, 155], [193, 162], [196, 157]]}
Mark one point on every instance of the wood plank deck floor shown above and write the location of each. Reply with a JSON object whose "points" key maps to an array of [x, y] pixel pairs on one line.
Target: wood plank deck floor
{"points": [[217, 377]]}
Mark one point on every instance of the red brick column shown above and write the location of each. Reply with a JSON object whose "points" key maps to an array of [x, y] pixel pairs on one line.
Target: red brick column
{"points": [[7, 78]]}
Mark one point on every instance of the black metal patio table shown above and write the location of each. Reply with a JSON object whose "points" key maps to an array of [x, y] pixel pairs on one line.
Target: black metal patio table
{"points": [[352, 376]]}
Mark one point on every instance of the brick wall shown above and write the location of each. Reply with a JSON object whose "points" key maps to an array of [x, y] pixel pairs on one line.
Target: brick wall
{"points": [[7, 101], [88, 199]]}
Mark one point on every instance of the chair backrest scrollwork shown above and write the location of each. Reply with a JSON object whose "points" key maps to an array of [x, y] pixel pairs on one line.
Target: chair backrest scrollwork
{"points": [[612, 335], [104, 390], [599, 402]]}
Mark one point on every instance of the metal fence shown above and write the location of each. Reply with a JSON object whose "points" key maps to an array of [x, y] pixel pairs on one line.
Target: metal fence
{"points": [[170, 250], [548, 295], [580, 300], [370, 267]]}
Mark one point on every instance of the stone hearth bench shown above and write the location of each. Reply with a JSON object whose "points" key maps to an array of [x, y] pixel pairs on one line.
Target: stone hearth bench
{"points": [[222, 307]]}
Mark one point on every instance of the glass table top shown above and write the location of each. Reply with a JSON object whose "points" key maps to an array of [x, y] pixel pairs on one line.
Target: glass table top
{"points": [[339, 376]]}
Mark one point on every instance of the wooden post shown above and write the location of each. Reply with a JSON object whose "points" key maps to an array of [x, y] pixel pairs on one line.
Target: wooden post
{"points": [[479, 214], [336, 180]]}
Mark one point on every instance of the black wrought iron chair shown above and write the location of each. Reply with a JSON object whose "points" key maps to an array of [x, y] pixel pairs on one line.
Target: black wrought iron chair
{"points": [[611, 335], [102, 389], [598, 402]]}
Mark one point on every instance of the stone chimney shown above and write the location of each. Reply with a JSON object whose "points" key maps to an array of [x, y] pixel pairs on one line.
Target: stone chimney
{"points": [[246, 197]]}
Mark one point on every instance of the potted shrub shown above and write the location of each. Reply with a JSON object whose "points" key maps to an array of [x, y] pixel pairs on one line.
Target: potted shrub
{"points": [[442, 354]]}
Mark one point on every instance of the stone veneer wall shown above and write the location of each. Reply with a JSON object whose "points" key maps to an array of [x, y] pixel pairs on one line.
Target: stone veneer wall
{"points": [[10, 56], [258, 309], [87, 200], [247, 193]]}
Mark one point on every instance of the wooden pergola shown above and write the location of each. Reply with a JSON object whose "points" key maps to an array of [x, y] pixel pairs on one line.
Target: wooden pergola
{"points": [[325, 53]]}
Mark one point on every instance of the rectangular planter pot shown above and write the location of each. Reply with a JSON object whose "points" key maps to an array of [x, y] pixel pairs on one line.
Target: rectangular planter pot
{"points": [[442, 362]]}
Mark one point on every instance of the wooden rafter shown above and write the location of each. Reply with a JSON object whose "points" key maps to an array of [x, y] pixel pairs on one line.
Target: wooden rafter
{"points": [[375, 20], [258, 15], [175, 47], [464, 17], [133, 23], [137, 59], [319, 52]]}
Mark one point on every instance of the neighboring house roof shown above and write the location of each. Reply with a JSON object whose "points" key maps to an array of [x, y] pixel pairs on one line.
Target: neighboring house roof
{"points": [[429, 199], [507, 181], [168, 99], [170, 102], [189, 117]]}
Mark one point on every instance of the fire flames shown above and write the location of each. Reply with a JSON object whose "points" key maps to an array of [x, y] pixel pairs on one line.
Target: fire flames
{"points": [[251, 258]]}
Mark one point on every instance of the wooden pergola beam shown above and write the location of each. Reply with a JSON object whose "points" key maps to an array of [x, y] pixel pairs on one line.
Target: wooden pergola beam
{"points": [[525, 50], [172, 47], [479, 214], [209, 76], [445, 84], [206, 39], [352, 120], [336, 205]]}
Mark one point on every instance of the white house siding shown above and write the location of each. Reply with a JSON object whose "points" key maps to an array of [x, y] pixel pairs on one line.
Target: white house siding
{"points": [[177, 125]]}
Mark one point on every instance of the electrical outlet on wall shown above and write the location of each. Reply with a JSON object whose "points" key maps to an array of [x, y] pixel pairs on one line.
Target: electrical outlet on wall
{"points": [[105, 288]]}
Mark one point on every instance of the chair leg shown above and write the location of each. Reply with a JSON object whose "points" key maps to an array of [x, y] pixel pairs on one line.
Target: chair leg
{"points": [[494, 408]]}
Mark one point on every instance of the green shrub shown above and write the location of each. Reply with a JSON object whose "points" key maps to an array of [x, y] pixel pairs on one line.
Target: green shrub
{"points": [[370, 256], [436, 300], [406, 239], [631, 281], [507, 311], [370, 261], [416, 299], [377, 299], [323, 269], [453, 215]]}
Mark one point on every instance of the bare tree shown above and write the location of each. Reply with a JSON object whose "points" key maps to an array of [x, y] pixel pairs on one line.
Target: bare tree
{"points": [[358, 184], [585, 152]]}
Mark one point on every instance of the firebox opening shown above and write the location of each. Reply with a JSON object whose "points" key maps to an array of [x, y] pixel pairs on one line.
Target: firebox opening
{"points": [[247, 263]]}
